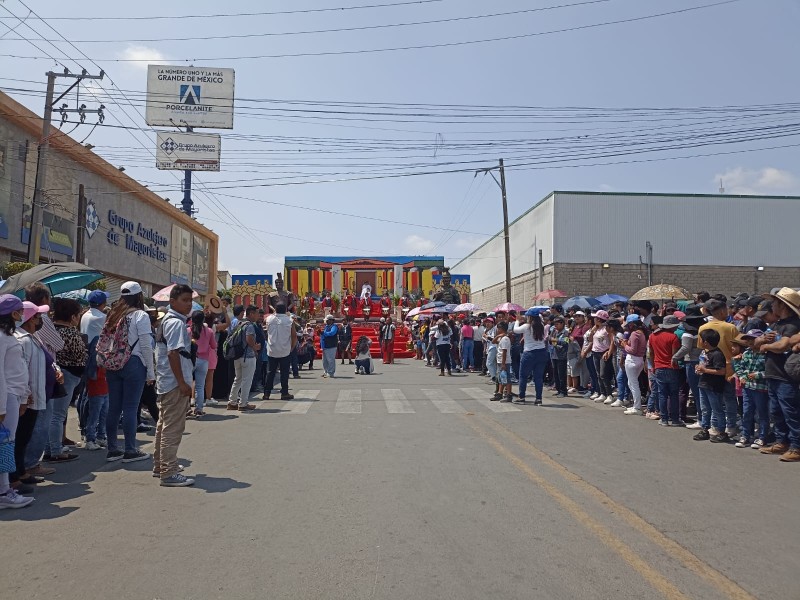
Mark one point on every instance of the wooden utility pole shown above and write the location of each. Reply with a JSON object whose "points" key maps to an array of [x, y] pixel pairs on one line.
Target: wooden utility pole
{"points": [[505, 231], [80, 229]]}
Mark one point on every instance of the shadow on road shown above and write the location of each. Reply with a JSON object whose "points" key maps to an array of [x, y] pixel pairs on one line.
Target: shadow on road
{"points": [[215, 417], [217, 485]]}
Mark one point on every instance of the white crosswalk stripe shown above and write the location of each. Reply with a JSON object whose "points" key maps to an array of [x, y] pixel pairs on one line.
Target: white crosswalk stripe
{"points": [[396, 402], [444, 403], [348, 402], [480, 396], [301, 403]]}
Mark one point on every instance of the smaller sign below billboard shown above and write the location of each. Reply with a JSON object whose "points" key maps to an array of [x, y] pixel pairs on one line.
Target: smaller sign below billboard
{"points": [[187, 151]]}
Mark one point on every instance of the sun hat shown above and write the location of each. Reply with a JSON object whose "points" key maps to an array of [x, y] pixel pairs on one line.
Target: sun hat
{"points": [[97, 297], [741, 339], [29, 309], [214, 304], [694, 312], [789, 297], [601, 314], [9, 303], [670, 322], [632, 318], [150, 308], [752, 334], [130, 288]]}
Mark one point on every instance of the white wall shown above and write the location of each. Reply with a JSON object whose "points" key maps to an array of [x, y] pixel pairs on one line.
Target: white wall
{"points": [[684, 230], [528, 234]]}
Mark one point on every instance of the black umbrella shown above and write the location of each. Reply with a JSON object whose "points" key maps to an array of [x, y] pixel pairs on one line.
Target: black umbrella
{"points": [[58, 277]]}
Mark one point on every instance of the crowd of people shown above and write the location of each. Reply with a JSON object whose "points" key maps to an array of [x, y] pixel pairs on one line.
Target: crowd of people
{"points": [[728, 368]]}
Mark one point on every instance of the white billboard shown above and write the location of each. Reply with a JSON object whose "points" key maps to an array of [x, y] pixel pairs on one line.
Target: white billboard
{"points": [[187, 151], [189, 96]]}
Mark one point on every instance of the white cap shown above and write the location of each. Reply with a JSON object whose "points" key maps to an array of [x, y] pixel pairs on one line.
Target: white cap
{"points": [[329, 318], [130, 288], [580, 312]]}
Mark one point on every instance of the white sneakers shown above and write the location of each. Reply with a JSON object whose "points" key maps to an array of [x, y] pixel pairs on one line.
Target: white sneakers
{"points": [[594, 396], [91, 446], [609, 399], [617, 404], [571, 390], [632, 411], [11, 499], [695, 425]]}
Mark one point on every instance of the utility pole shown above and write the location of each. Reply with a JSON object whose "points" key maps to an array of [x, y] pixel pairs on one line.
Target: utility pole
{"points": [[80, 229], [187, 204], [502, 184], [34, 241]]}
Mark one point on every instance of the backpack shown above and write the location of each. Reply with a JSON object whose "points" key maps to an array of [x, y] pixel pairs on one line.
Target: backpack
{"points": [[112, 349], [191, 354], [233, 348]]}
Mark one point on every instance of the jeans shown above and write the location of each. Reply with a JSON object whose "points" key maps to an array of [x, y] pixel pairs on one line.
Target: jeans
{"points": [[605, 373], [668, 384], [622, 385], [124, 393], [295, 363], [200, 372], [96, 418], [272, 366], [59, 414], [532, 361], [653, 402], [784, 409], [560, 375], [589, 360], [491, 361], [444, 357], [172, 408], [329, 361], [467, 354], [731, 405], [693, 379], [633, 367], [38, 440], [243, 369], [363, 364], [756, 402], [713, 410], [10, 422]]}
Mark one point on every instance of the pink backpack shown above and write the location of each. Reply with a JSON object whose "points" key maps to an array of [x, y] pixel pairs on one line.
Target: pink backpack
{"points": [[113, 349]]}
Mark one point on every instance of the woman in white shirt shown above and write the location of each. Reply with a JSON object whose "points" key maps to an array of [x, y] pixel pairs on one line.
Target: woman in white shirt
{"points": [[534, 357], [442, 334], [125, 386]]}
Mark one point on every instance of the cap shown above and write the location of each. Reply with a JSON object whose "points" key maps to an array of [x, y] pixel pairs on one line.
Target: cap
{"points": [[580, 312], [97, 297], [670, 322], [752, 334], [535, 311], [150, 309], [680, 315], [632, 318], [29, 309], [9, 303], [601, 314], [130, 288], [329, 318]]}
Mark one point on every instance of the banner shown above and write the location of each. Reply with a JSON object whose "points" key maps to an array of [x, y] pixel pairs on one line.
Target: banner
{"points": [[336, 280], [398, 280], [189, 96]]}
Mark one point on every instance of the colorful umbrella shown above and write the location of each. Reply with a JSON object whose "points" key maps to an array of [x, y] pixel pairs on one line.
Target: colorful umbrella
{"points": [[662, 291], [451, 307], [434, 304], [508, 306], [413, 312], [163, 294], [582, 302], [607, 299], [436, 310], [467, 307], [58, 277], [550, 295]]}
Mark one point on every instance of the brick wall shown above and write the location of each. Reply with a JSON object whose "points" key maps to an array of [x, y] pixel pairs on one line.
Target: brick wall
{"points": [[590, 279]]}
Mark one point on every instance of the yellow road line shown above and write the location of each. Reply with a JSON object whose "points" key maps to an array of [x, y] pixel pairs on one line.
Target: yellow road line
{"points": [[651, 575], [727, 586]]}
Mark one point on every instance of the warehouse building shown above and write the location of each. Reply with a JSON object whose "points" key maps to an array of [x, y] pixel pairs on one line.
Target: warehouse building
{"points": [[128, 232], [592, 243]]}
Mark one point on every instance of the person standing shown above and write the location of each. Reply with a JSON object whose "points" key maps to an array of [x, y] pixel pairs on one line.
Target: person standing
{"points": [[281, 339], [442, 336], [477, 346], [72, 360], [534, 357], [387, 341], [663, 346], [173, 386], [329, 340], [203, 337], [245, 367], [635, 349], [346, 340]]}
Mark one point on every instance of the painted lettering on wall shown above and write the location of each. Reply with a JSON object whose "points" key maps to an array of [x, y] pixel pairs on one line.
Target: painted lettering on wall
{"points": [[132, 231]]}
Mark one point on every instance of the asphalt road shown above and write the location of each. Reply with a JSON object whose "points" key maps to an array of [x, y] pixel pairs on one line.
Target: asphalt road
{"points": [[404, 484]]}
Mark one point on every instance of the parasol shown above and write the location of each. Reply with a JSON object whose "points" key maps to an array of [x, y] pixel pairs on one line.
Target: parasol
{"points": [[582, 302], [413, 312], [467, 307], [434, 304], [163, 294], [662, 291], [58, 277], [550, 295], [508, 306], [607, 299]]}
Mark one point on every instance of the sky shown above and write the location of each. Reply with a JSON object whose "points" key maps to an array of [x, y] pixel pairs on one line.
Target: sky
{"points": [[582, 108]]}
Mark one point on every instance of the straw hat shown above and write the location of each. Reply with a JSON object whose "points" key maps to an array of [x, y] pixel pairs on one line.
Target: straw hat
{"points": [[214, 304], [789, 297]]}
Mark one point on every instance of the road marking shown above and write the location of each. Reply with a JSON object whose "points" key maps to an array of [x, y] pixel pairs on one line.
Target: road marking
{"points": [[301, 403], [348, 402], [396, 402], [443, 403], [480, 395], [727, 586], [654, 577]]}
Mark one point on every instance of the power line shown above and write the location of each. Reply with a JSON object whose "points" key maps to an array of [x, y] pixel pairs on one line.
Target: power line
{"points": [[417, 47]]}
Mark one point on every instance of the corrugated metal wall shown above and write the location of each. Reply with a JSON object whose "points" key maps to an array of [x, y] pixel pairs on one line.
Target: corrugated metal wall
{"points": [[684, 230]]}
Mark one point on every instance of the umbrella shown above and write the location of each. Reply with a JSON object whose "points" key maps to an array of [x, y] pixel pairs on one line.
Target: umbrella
{"points": [[413, 312], [582, 302], [508, 306], [436, 310], [81, 295], [467, 307], [434, 304], [58, 277], [607, 299], [550, 295], [196, 306], [163, 294], [451, 307], [662, 291]]}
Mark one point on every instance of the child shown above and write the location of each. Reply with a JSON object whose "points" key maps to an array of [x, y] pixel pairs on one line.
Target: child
{"points": [[749, 367], [712, 369], [502, 390], [363, 356], [97, 393]]}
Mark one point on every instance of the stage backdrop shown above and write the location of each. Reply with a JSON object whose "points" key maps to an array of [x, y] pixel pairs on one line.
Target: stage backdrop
{"points": [[251, 289]]}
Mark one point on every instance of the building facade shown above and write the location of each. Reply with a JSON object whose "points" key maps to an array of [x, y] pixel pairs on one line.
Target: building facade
{"points": [[128, 231], [592, 243]]}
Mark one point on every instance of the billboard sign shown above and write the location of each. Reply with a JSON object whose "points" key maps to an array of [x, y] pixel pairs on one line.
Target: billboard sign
{"points": [[189, 96], [187, 151]]}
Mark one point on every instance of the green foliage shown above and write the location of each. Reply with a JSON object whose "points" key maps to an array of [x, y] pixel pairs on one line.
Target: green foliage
{"points": [[100, 284], [10, 269]]}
